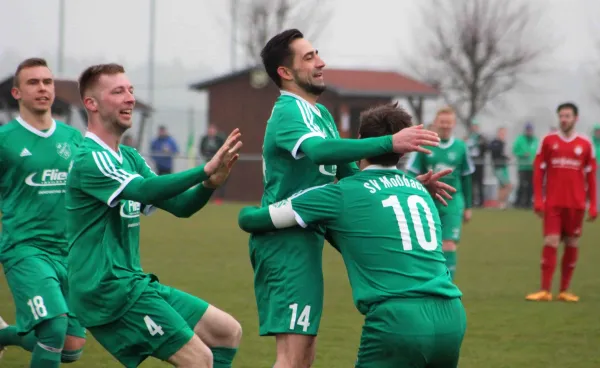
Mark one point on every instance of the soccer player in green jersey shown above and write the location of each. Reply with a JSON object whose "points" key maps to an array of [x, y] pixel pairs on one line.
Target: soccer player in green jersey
{"points": [[453, 154], [301, 149], [129, 312], [35, 153], [388, 231]]}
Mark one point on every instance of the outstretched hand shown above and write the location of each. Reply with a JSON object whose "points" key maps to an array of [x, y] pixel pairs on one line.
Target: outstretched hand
{"points": [[225, 154], [412, 139], [439, 190]]}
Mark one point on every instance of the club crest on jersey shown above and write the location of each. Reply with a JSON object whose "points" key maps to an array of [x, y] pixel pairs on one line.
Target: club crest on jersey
{"points": [[64, 150], [451, 156], [578, 150]]}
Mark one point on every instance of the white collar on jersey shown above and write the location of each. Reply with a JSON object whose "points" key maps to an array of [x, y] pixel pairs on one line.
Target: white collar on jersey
{"points": [[565, 138], [36, 131], [312, 107], [97, 139], [380, 167], [447, 144]]}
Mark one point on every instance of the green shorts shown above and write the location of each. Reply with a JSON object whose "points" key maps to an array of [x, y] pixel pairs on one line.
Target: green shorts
{"points": [[413, 333], [158, 324], [40, 290], [451, 225], [288, 281], [502, 176]]}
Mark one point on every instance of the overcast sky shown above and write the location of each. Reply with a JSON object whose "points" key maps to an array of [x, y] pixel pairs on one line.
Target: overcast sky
{"points": [[192, 42]]}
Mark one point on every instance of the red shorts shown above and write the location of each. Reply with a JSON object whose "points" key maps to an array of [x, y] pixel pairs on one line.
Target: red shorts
{"points": [[563, 221]]}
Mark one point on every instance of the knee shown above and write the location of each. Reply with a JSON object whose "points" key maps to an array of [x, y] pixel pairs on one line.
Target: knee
{"points": [[448, 246], [572, 242], [73, 349], [232, 335], [52, 333], [552, 241], [296, 351]]}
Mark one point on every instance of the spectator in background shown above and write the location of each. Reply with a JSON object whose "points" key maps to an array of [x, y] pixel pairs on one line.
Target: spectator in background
{"points": [[209, 145], [500, 162], [596, 144], [163, 149], [127, 141], [524, 149], [477, 145]]}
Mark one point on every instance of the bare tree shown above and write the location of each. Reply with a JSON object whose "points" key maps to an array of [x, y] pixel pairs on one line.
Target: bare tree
{"points": [[262, 19], [474, 51]]}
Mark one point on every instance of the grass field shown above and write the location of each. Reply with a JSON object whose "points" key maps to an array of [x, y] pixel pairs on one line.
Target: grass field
{"points": [[207, 255]]}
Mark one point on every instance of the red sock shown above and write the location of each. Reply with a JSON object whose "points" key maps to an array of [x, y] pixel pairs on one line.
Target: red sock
{"points": [[569, 260], [548, 266]]}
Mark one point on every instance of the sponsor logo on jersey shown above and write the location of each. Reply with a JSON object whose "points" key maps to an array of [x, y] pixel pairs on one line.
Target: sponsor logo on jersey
{"points": [[566, 163], [329, 170], [130, 209], [64, 150], [48, 178]]}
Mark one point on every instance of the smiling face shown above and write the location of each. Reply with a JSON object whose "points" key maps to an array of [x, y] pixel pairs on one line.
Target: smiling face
{"points": [[307, 68], [115, 100], [107, 95], [34, 89]]}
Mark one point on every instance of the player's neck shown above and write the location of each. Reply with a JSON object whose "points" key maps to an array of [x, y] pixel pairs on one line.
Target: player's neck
{"points": [[111, 139], [567, 134], [310, 98], [38, 121]]}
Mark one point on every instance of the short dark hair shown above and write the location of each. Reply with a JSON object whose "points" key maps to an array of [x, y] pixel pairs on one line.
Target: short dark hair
{"points": [[568, 105], [28, 63], [277, 52], [380, 121], [90, 76]]}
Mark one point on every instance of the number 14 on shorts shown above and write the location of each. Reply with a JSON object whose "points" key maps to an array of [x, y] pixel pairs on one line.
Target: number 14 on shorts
{"points": [[300, 320]]}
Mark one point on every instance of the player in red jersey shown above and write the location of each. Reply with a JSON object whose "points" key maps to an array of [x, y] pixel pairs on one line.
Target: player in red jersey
{"points": [[564, 179]]}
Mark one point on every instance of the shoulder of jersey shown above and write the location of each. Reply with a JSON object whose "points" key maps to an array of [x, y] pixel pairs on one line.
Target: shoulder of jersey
{"points": [[10, 126]]}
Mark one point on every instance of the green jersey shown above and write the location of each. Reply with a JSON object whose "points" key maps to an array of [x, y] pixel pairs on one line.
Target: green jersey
{"points": [[452, 154], [105, 274], [285, 169], [386, 226], [33, 174]]}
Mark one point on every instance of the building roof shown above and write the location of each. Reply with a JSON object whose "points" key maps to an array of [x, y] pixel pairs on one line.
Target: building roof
{"points": [[67, 92], [352, 83]]}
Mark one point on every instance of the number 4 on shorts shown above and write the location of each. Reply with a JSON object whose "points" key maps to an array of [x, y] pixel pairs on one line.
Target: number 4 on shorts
{"points": [[303, 320], [153, 328]]}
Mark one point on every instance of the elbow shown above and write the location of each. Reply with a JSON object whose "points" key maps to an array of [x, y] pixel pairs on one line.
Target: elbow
{"points": [[244, 223]]}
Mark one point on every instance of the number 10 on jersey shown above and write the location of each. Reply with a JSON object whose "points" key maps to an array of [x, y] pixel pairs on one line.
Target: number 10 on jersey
{"points": [[414, 202]]}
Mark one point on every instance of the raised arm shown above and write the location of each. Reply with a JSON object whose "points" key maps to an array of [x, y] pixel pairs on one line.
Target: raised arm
{"points": [[298, 134], [192, 200]]}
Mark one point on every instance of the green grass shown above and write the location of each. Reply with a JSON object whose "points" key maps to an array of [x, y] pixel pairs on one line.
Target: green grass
{"points": [[498, 264]]}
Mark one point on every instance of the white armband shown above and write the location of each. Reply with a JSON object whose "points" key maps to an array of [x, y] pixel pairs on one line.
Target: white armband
{"points": [[283, 215]]}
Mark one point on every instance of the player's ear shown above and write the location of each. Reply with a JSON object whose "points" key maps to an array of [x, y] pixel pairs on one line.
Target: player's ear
{"points": [[15, 93], [90, 103], [285, 73]]}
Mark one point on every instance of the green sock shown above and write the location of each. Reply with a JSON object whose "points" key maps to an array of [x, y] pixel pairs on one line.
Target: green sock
{"points": [[451, 262], [42, 358], [223, 357], [9, 337]]}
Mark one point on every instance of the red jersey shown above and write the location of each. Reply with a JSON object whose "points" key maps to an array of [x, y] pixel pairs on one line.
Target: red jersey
{"points": [[567, 167]]}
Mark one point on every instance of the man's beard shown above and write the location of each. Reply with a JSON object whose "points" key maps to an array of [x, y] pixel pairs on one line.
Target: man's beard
{"points": [[567, 129], [308, 87]]}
